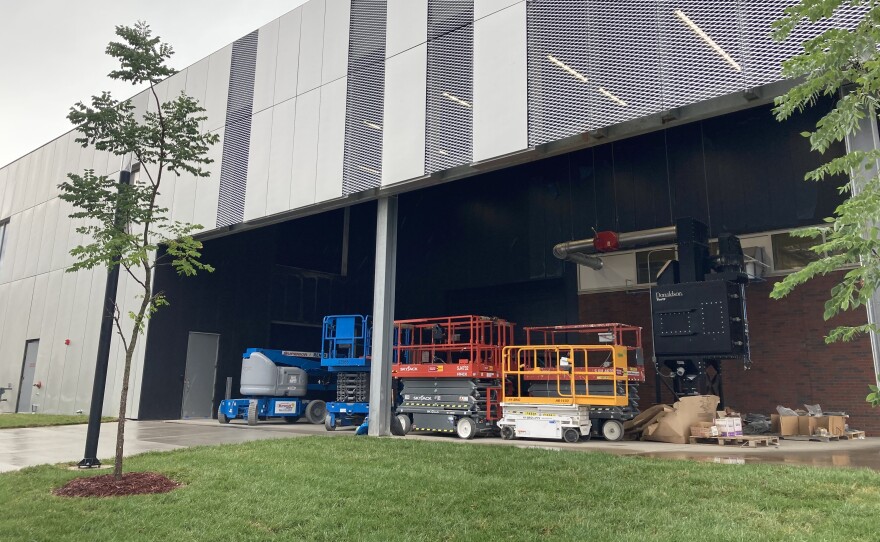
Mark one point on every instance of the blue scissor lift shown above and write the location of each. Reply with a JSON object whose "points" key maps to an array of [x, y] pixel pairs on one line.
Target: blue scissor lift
{"points": [[346, 351]]}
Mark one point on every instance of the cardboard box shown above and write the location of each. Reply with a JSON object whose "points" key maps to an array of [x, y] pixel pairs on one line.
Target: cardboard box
{"points": [[704, 430], [835, 425], [729, 427], [675, 426], [787, 426]]}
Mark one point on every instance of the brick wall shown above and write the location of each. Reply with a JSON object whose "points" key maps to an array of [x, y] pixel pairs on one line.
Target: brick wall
{"points": [[792, 365]]}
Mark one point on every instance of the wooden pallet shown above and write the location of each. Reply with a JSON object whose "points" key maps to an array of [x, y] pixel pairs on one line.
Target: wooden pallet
{"points": [[852, 435], [814, 438], [752, 441]]}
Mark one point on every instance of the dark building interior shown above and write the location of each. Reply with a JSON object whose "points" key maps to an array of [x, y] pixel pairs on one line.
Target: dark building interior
{"points": [[483, 245]]}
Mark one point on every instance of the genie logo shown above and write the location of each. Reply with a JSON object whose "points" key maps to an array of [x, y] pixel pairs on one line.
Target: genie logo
{"points": [[663, 296]]}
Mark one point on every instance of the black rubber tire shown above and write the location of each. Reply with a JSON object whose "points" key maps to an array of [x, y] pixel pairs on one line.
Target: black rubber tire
{"points": [[397, 427], [328, 424], [571, 435], [507, 433], [466, 428], [612, 430], [291, 419], [252, 412], [316, 411], [222, 417], [405, 423]]}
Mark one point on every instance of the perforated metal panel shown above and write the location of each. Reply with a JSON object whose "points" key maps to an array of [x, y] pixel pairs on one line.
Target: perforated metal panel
{"points": [[237, 137], [365, 99], [449, 121], [594, 63], [763, 56]]}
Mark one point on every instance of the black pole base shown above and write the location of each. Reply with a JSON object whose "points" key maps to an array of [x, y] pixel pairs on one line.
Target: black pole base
{"points": [[89, 463]]}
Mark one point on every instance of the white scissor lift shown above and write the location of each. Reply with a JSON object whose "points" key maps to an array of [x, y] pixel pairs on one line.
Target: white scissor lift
{"points": [[565, 413]]}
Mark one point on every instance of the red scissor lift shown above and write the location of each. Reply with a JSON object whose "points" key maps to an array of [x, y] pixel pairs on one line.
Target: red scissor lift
{"points": [[449, 370], [611, 418]]}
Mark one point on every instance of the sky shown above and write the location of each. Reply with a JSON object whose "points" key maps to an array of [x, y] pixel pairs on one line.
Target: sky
{"points": [[52, 53]]}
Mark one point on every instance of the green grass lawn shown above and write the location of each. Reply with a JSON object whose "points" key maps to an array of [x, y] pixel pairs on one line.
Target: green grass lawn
{"points": [[13, 421], [345, 488]]}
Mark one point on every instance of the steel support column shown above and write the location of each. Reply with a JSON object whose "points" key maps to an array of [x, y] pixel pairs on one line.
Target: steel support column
{"points": [[867, 139], [381, 394]]}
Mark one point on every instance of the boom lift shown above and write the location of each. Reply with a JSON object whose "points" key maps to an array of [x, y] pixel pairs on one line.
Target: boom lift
{"points": [[449, 370], [346, 352], [279, 384]]}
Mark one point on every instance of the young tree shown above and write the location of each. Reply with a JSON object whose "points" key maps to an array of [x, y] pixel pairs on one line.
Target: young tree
{"points": [[843, 64], [122, 223]]}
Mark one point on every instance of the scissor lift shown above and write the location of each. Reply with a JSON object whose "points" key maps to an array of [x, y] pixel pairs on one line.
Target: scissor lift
{"points": [[617, 334], [449, 370], [346, 352], [569, 379]]}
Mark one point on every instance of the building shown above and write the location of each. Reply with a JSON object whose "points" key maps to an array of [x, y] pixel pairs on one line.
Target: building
{"points": [[478, 133]]}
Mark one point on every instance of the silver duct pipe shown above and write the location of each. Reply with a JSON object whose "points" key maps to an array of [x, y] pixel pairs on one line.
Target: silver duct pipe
{"points": [[593, 262], [579, 251]]}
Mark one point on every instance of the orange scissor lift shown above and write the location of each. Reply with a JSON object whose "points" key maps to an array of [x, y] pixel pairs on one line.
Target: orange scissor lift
{"points": [[569, 381], [449, 370]]}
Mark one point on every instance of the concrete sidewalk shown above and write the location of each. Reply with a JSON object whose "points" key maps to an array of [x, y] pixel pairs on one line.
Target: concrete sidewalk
{"points": [[21, 448]]}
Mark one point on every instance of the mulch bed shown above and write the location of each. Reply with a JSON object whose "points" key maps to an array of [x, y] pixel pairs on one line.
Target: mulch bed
{"points": [[132, 483]]}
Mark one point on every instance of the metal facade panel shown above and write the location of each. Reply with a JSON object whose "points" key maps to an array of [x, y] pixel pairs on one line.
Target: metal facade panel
{"points": [[90, 337], [287, 63], [281, 157], [236, 143], [208, 188], [484, 8], [46, 333], [500, 89], [264, 73], [331, 141], [20, 181], [403, 144], [335, 53], [362, 168], [58, 385], [14, 333], [46, 183], [35, 240], [407, 25], [762, 55], [44, 262], [258, 165], [38, 302], [217, 90], [449, 130], [5, 190], [311, 46], [692, 70], [305, 149], [34, 167], [22, 244], [10, 240]]}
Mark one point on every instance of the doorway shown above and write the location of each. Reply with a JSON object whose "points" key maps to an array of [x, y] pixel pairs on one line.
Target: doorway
{"points": [[28, 370], [200, 375]]}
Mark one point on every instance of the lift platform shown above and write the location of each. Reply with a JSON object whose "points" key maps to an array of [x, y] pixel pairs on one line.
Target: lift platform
{"points": [[449, 370], [553, 387], [346, 351]]}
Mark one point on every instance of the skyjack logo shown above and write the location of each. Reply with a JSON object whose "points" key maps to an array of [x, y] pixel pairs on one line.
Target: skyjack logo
{"points": [[663, 296]]}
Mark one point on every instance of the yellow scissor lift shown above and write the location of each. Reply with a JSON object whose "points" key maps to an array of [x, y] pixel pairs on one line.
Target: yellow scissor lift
{"points": [[564, 414]]}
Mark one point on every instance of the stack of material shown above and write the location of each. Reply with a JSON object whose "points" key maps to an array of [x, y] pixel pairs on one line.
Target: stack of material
{"points": [[662, 423], [757, 424]]}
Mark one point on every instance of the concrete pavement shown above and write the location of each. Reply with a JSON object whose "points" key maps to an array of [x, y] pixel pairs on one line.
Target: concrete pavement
{"points": [[20, 448]]}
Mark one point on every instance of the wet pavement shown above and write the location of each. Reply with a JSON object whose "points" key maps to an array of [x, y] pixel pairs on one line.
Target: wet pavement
{"points": [[20, 448]]}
